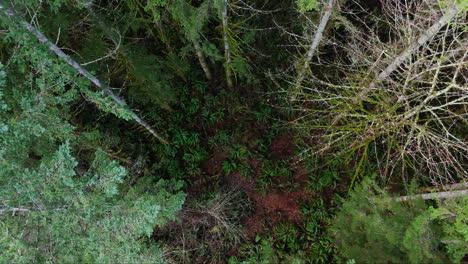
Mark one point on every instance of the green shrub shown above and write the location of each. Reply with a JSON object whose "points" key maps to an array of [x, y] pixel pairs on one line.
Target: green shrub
{"points": [[372, 228]]}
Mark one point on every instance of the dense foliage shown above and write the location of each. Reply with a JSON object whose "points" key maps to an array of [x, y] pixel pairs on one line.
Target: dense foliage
{"points": [[373, 228], [233, 131]]}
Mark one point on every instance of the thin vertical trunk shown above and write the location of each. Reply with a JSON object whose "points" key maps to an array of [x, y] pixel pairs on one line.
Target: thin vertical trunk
{"points": [[310, 54], [227, 47], [201, 58], [196, 44], [11, 13], [115, 36], [163, 37]]}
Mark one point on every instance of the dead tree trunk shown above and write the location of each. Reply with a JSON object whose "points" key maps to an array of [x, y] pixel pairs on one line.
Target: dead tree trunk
{"points": [[196, 43], [201, 58], [310, 54], [402, 57], [429, 196], [11, 13], [227, 47]]}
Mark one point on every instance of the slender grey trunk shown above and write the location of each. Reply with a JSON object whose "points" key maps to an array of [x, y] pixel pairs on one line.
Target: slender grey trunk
{"points": [[11, 13], [227, 47], [201, 58], [423, 38], [196, 44], [310, 54], [429, 196]]}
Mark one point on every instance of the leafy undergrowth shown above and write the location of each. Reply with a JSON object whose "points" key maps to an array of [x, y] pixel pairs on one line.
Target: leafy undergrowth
{"points": [[249, 196], [255, 172]]}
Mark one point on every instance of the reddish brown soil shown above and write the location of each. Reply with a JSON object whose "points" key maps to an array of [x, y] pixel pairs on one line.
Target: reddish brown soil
{"points": [[282, 146], [269, 208], [255, 163], [213, 165], [232, 252], [252, 132], [273, 207], [212, 169]]}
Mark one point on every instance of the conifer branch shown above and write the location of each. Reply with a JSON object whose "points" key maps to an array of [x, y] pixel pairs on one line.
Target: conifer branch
{"points": [[11, 13], [195, 42], [227, 47], [455, 186]]}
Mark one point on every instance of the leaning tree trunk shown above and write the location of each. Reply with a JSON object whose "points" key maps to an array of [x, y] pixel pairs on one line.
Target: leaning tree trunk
{"points": [[449, 191], [402, 57], [227, 47], [430, 196], [11, 13], [310, 54], [201, 58], [196, 44]]}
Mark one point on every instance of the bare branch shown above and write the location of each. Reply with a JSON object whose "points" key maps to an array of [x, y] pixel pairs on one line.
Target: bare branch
{"points": [[316, 41]]}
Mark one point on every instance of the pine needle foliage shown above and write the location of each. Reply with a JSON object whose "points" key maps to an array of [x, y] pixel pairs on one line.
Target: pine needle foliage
{"points": [[53, 206]]}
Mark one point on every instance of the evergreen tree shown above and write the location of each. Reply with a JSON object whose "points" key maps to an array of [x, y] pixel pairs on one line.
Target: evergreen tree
{"points": [[192, 20], [374, 86], [377, 229], [55, 207]]}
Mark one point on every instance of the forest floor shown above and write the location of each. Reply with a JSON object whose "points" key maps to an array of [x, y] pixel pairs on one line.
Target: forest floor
{"points": [[256, 183]]}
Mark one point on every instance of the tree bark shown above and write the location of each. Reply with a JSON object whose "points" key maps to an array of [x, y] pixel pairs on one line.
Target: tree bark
{"points": [[429, 196], [310, 54], [227, 47], [201, 58], [11, 13], [196, 44]]}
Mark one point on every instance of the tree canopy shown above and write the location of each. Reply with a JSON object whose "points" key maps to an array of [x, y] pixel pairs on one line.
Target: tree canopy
{"points": [[222, 131]]}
